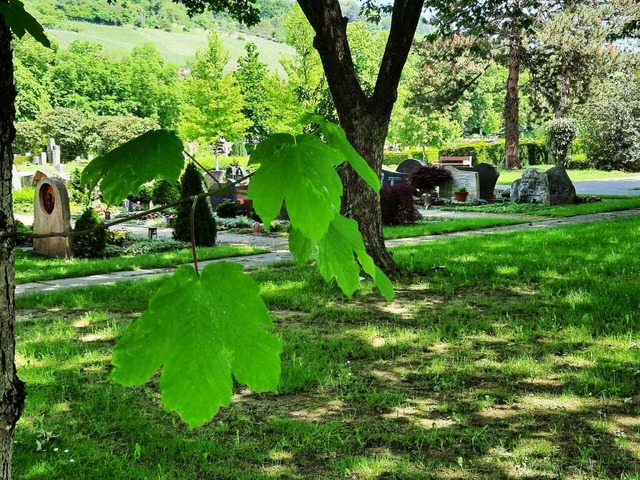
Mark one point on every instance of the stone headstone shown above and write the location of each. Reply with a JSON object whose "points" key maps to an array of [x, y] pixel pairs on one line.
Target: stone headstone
{"points": [[488, 177], [533, 187], [408, 166], [51, 146], [230, 194], [55, 156], [126, 205], [561, 189], [389, 178], [52, 215], [15, 179], [235, 173], [43, 158], [460, 178]]}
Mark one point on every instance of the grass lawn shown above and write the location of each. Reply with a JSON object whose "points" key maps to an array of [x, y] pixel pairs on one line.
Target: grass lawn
{"points": [[507, 177], [441, 227], [610, 204], [518, 360], [31, 267]]}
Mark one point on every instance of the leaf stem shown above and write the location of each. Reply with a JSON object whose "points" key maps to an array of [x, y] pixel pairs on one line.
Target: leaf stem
{"points": [[193, 234]]}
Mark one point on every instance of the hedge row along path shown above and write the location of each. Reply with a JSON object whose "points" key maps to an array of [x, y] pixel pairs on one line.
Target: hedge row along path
{"points": [[279, 251]]}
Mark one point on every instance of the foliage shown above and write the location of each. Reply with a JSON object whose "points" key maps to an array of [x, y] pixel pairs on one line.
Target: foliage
{"points": [[157, 340], [211, 100], [560, 133], [90, 245], [227, 209], [29, 137], [68, 127], [398, 205], [105, 133], [79, 192], [155, 154], [204, 223], [20, 21], [428, 177], [239, 149], [251, 75], [610, 125], [164, 193]]}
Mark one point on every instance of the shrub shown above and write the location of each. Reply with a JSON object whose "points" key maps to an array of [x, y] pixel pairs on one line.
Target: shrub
{"points": [[204, 224], [238, 149], [79, 193], [397, 204], [68, 127], [227, 209], [144, 195], [163, 193], [22, 228], [560, 133], [428, 177], [610, 125], [90, 245], [29, 137], [105, 133]]}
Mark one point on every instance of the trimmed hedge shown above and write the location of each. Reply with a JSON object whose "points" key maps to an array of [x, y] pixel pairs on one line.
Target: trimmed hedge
{"points": [[396, 158]]}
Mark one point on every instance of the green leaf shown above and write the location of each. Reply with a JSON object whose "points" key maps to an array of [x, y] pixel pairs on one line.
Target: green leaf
{"points": [[337, 138], [301, 173], [201, 331], [20, 21], [154, 154], [336, 255]]}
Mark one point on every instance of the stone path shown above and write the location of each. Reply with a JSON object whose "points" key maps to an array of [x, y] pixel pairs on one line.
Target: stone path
{"points": [[279, 252]]}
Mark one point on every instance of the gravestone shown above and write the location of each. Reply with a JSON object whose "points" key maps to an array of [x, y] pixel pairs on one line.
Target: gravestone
{"points": [[15, 179], [52, 215], [408, 166], [43, 159], [389, 178], [230, 194], [487, 177], [235, 173], [460, 178], [53, 152], [561, 189], [533, 187]]}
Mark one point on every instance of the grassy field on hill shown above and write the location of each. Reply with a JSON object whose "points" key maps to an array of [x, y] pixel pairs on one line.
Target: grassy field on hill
{"points": [[174, 47]]}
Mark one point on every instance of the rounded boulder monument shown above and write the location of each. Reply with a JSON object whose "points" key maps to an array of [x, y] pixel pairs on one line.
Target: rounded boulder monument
{"points": [[52, 215]]}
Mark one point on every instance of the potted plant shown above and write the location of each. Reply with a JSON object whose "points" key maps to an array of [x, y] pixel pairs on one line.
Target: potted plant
{"points": [[461, 194]]}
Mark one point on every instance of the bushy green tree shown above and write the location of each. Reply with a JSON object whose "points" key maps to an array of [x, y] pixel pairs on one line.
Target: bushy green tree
{"points": [[90, 245], [610, 125], [560, 133], [164, 193], [211, 100], [107, 132], [68, 126], [29, 137], [251, 76], [204, 223]]}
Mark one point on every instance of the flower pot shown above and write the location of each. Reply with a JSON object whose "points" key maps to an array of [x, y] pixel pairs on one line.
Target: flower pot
{"points": [[461, 196]]}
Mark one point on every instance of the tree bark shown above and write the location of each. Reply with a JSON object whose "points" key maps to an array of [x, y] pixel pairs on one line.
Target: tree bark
{"points": [[364, 119], [12, 389], [512, 100]]}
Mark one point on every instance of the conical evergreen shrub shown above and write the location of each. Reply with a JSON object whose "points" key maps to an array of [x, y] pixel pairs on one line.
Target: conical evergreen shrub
{"points": [[205, 224]]}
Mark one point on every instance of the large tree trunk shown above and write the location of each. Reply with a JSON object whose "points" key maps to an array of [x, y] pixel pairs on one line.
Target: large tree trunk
{"points": [[512, 100], [11, 388], [364, 119]]}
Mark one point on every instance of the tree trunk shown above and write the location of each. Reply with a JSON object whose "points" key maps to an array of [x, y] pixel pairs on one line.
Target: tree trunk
{"points": [[11, 388], [512, 100], [359, 201], [364, 119]]}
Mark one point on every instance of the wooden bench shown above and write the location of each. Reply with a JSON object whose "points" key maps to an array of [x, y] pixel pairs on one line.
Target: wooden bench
{"points": [[455, 161]]}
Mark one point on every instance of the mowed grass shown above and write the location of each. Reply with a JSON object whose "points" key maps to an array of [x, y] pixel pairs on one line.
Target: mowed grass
{"points": [[441, 227], [518, 360], [507, 177], [175, 47], [608, 204], [31, 267]]}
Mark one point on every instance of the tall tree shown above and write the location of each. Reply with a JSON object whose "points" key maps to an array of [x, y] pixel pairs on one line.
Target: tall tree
{"points": [[251, 76]]}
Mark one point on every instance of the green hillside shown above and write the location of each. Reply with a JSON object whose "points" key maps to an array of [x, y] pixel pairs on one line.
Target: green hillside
{"points": [[175, 47]]}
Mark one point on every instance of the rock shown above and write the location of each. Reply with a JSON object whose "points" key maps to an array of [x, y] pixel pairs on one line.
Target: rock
{"points": [[533, 187], [561, 189]]}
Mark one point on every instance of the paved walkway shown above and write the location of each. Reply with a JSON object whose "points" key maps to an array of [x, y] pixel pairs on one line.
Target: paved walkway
{"points": [[279, 251]]}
